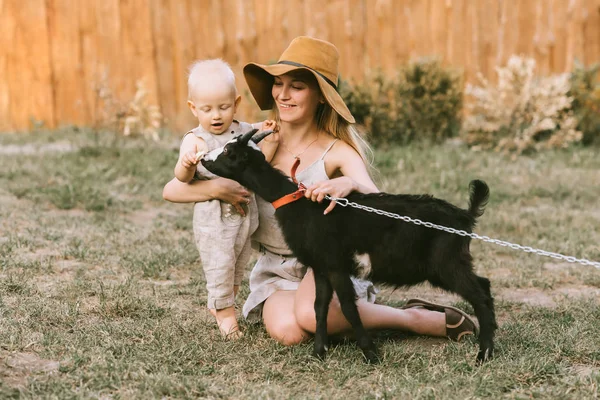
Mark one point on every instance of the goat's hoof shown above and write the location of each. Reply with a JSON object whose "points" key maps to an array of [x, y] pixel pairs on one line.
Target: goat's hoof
{"points": [[371, 357], [485, 355], [319, 352]]}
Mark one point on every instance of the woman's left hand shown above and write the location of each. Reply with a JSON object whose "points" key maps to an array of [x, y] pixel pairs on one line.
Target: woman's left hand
{"points": [[337, 187]]}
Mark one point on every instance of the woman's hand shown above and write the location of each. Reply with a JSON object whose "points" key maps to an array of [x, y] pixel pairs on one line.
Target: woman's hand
{"points": [[337, 187], [231, 192], [220, 188]]}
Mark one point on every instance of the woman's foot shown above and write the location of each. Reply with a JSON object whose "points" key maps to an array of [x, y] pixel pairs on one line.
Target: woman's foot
{"points": [[227, 323], [458, 323]]}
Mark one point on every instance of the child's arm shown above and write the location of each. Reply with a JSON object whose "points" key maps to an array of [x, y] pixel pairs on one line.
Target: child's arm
{"points": [[186, 165], [269, 144]]}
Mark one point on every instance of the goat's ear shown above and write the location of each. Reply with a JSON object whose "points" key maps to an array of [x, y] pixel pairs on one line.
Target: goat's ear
{"points": [[257, 138], [246, 136]]}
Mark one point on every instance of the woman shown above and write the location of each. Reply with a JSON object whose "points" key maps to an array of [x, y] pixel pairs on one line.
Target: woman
{"points": [[315, 126]]}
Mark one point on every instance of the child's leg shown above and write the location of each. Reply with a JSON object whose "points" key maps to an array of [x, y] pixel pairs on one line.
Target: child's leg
{"points": [[218, 262], [243, 252], [221, 297], [216, 237], [227, 322]]}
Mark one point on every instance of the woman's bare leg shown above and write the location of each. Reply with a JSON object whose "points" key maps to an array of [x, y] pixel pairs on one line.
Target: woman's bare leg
{"points": [[280, 320], [373, 316]]}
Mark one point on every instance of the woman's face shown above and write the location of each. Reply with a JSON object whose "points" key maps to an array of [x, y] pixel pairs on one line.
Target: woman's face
{"points": [[297, 96]]}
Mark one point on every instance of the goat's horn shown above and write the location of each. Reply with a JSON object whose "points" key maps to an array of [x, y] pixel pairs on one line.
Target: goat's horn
{"points": [[261, 136], [246, 136]]}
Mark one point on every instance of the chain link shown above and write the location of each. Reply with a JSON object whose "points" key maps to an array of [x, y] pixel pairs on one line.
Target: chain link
{"points": [[344, 203]]}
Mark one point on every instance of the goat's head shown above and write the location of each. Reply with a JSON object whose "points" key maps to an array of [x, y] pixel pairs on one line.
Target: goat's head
{"points": [[232, 159]]}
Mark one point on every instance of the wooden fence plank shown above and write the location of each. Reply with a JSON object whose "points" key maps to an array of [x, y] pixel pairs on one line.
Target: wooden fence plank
{"points": [[7, 27], [137, 54], [166, 73], [70, 103], [591, 51], [29, 73], [558, 47]]}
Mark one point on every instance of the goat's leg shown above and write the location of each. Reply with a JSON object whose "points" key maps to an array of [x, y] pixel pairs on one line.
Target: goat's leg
{"points": [[323, 294], [342, 284], [484, 283], [472, 289]]}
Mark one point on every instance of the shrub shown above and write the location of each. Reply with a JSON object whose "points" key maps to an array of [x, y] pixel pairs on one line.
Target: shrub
{"points": [[136, 117], [522, 112], [585, 91], [424, 101], [430, 98], [371, 105]]}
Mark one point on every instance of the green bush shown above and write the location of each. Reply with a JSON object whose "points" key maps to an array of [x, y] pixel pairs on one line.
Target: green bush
{"points": [[585, 91], [423, 102]]}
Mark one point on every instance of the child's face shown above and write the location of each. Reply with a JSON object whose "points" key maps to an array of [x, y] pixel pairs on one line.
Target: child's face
{"points": [[214, 106]]}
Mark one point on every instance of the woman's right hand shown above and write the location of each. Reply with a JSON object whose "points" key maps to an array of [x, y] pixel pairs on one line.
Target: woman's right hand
{"points": [[231, 192]]}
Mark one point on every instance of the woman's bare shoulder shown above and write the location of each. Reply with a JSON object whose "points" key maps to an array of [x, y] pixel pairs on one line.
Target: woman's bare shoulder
{"points": [[342, 151]]}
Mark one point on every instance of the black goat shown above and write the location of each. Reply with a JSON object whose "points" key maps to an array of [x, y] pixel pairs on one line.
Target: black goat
{"points": [[400, 253]]}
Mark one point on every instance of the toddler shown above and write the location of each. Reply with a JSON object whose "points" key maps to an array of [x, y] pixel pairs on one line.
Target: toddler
{"points": [[221, 232]]}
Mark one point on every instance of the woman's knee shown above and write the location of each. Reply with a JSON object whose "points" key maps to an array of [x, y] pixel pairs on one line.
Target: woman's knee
{"points": [[286, 331], [305, 315], [280, 319]]}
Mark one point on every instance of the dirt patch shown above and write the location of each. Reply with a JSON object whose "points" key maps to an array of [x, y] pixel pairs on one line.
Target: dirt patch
{"points": [[585, 371], [15, 368], [28, 149], [549, 298], [531, 296]]}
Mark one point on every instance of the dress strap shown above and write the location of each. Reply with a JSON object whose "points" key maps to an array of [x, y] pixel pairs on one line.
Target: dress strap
{"points": [[328, 148]]}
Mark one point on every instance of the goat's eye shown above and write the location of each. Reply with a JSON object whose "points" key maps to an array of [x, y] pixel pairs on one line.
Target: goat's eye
{"points": [[225, 150]]}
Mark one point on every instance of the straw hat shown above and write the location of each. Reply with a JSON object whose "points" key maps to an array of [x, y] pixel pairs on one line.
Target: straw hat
{"points": [[304, 53]]}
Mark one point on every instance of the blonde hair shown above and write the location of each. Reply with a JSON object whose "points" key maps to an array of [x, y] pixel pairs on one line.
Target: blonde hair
{"points": [[331, 122], [213, 68]]}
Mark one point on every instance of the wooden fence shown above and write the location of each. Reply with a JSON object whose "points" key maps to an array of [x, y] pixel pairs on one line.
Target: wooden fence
{"points": [[54, 52]]}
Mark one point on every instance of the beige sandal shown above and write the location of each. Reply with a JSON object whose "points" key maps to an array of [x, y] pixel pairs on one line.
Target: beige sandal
{"points": [[458, 323]]}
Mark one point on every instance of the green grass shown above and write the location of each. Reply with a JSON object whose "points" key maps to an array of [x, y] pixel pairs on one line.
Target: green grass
{"points": [[101, 275]]}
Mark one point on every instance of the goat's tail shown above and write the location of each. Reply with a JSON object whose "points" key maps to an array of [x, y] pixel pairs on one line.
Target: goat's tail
{"points": [[480, 193]]}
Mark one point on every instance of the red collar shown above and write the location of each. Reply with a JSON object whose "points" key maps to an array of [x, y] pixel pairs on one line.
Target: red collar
{"points": [[297, 195]]}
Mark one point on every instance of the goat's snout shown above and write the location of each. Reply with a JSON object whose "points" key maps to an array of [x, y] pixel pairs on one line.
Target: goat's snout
{"points": [[200, 155]]}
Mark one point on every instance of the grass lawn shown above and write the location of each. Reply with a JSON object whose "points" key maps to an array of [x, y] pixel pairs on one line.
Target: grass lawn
{"points": [[102, 296]]}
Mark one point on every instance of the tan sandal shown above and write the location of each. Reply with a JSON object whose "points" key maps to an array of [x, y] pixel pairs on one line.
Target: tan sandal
{"points": [[458, 322]]}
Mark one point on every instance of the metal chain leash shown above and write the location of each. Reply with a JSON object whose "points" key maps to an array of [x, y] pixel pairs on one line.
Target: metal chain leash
{"points": [[344, 202]]}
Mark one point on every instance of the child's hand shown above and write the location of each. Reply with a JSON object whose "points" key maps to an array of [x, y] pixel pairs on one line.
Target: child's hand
{"points": [[270, 143], [189, 160], [269, 124]]}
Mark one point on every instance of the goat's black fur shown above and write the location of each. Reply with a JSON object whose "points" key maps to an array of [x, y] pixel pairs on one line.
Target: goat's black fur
{"points": [[401, 253]]}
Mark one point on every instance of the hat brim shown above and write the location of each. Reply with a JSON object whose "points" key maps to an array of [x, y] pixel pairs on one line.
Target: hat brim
{"points": [[260, 82]]}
